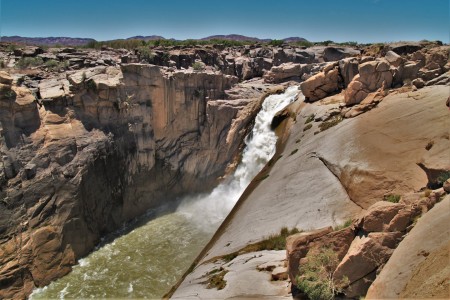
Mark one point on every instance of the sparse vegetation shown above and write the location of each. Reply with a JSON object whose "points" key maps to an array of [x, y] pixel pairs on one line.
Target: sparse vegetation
{"points": [[304, 44], [135, 43], [307, 127], [293, 152], [392, 198], [90, 84], [443, 178], [2, 64], [217, 280], [10, 94], [429, 145], [198, 66], [26, 62], [230, 257], [310, 119], [11, 47], [146, 54], [273, 242], [55, 65], [316, 278], [276, 43], [346, 224], [330, 123]]}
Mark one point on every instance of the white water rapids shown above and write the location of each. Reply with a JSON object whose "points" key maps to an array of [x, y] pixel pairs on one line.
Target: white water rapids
{"points": [[146, 261]]}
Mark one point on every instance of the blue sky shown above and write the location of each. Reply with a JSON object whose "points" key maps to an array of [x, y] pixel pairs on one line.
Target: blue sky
{"points": [[315, 20]]}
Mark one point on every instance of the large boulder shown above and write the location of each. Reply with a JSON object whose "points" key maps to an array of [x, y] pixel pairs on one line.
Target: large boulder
{"points": [[286, 71], [323, 84], [348, 68], [372, 76], [418, 267], [298, 246], [393, 58], [337, 53], [5, 78], [379, 215], [364, 256]]}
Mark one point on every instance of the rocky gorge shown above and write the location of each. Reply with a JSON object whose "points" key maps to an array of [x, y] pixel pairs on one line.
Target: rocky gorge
{"points": [[106, 135]]}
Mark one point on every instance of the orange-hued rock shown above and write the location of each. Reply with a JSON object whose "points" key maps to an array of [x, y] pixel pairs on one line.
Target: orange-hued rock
{"points": [[418, 268], [322, 84], [372, 76]]}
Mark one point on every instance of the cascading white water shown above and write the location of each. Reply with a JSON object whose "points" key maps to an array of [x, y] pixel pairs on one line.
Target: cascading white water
{"points": [[147, 261], [208, 211]]}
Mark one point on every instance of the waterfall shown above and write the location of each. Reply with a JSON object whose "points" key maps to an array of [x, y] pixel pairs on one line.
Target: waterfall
{"points": [[208, 210], [149, 259]]}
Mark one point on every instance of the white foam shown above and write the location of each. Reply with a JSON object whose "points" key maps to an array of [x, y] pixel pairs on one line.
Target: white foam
{"points": [[208, 211]]}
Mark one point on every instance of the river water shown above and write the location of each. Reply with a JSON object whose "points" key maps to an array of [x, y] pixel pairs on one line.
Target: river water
{"points": [[147, 258]]}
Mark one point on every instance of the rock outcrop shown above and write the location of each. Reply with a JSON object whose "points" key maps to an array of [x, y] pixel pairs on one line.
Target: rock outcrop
{"points": [[100, 146], [363, 248], [372, 76], [418, 267], [323, 84]]}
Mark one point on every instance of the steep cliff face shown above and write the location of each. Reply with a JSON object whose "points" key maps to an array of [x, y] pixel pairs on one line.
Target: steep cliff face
{"points": [[99, 147]]}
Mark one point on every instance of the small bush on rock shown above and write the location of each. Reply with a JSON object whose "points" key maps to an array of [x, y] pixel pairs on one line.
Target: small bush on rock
{"points": [[392, 198], [198, 66], [27, 62], [316, 275]]}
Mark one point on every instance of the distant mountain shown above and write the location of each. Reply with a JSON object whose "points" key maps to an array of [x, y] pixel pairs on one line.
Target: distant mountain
{"points": [[238, 37], [146, 38], [234, 37], [47, 41], [68, 41], [294, 39]]}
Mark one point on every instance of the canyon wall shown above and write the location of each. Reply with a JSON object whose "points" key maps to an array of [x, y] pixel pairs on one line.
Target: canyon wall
{"points": [[99, 147]]}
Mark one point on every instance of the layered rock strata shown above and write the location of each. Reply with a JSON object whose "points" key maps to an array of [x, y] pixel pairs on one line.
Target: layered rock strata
{"points": [[99, 147]]}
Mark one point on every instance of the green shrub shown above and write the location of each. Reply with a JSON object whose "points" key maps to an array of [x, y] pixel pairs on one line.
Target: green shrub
{"points": [[217, 281], [276, 43], [392, 198], [304, 44], [346, 224], [310, 119], [11, 47], [2, 64], [273, 242], [10, 94], [330, 123], [316, 279], [198, 66], [51, 63], [146, 54], [26, 62], [55, 65], [307, 127], [443, 178], [91, 85]]}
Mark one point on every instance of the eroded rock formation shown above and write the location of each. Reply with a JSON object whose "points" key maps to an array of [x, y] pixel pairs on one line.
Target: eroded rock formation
{"points": [[100, 146]]}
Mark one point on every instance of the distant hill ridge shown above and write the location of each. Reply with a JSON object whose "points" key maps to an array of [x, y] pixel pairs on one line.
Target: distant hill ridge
{"points": [[47, 41], [68, 41]]}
